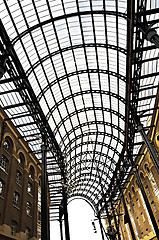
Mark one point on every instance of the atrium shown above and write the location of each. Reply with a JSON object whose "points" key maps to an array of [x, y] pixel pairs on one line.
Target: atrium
{"points": [[78, 79]]}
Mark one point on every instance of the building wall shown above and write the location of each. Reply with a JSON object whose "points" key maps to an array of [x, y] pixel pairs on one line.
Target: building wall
{"points": [[135, 203], [8, 210]]}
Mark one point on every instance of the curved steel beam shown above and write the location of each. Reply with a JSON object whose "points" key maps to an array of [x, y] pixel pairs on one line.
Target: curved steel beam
{"points": [[87, 109], [86, 134], [82, 187], [120, 98], [93, 142], [27, 31], [114, 74], [43, 59], [82, 190], [85, 175], [89, 168], [85, 124], [96, 191], [82, 198], [98, 153]]}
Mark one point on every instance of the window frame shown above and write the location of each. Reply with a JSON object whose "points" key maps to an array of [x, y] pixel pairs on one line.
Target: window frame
{"points": [[28, 208], [16, 199], [14, 227], [18, 179], [31, 172], [2, 185], [21, 160], [30, 187], [7, 146], [28, 232], [4, 163]]}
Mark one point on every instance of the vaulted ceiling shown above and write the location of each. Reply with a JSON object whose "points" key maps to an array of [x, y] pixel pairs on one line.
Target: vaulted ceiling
{"points": [[75, 70]]}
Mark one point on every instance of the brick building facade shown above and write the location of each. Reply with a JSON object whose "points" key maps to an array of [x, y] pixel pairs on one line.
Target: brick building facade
{"points": [[135, 203], [20, 211]]}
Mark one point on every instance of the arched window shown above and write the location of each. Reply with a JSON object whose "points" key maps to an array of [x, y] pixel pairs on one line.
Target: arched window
{"points": [[21, 159], [16, 198], [14, 227], [31, 172], [1, 188], [8, 145], [130, 195], [18, 177], [28, 233], [4, 163], [30, 188]]}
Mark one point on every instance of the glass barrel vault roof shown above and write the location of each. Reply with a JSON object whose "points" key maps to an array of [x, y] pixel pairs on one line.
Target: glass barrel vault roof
{"points": [[74, 56]]}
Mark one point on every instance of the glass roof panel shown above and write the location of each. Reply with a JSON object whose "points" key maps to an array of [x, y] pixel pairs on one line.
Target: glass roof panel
{"points": [[74, 58]]}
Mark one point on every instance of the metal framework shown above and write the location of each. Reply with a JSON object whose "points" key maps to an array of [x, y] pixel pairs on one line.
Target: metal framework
{"points": [[84, 76]]}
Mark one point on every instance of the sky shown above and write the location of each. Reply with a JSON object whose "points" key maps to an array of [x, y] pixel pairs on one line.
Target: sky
{"points": [[80, 223]]}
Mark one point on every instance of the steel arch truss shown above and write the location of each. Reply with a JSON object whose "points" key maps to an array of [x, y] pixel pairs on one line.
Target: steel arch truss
{"points": [[77, 72]]}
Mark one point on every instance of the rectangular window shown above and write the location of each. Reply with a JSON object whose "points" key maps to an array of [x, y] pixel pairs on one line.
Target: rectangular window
{"points": [[28, 231], [16, 199], [29, 189], [28, 209], [4, 163], [18, 178], [1, 188], [14, 228]]}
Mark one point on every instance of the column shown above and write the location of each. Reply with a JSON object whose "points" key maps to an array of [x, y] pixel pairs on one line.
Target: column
{"points": [[67, 233], [44, 207], [101, 227], [116, 224], [128, 217], [60, 220]]}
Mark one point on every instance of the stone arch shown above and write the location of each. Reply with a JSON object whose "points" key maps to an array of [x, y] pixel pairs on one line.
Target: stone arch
{"points": [[147, 168], [35, 171], [21, 151], [9, 136]]}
